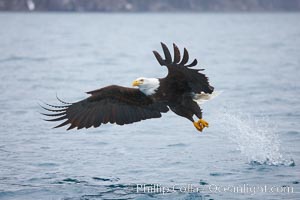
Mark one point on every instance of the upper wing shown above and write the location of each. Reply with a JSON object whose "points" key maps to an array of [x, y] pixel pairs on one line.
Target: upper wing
{"points": [[197, 81], [114, 104]]}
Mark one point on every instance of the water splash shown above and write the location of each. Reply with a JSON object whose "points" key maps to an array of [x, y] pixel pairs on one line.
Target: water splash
{"points": [[255, 136]]}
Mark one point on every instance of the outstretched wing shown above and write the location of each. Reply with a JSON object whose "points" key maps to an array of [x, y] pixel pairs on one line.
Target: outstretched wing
{"points": [[114, 104], [178, 67]]}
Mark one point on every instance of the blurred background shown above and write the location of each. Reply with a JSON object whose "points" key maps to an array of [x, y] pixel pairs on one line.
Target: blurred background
{"points": [[150, 6], [248, 48]]}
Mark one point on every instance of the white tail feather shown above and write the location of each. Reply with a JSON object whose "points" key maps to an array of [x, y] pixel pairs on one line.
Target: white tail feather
{"points": [[204, 97]]}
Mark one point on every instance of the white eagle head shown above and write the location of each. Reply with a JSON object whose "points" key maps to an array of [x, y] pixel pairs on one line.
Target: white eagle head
{"points": [[146, 85]]}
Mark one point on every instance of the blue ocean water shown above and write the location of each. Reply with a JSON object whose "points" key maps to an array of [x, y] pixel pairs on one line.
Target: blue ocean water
{"points": [[254, 134]]}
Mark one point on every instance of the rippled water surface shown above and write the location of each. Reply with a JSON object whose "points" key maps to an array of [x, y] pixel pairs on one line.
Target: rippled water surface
{"points": [[254, 134]]}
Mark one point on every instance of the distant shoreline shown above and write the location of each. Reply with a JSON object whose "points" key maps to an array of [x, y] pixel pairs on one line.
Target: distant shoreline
{"points": [[157, 12], [138, 6]]}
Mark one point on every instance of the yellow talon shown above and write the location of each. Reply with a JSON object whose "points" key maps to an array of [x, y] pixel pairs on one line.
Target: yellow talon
{"points": [[203, 122], [200, 124]]}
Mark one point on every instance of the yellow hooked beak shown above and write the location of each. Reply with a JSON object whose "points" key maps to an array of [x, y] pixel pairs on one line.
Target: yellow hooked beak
{"points": [[136, 83]]}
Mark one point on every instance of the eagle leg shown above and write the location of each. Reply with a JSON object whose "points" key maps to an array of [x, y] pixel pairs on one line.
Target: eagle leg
{"points": [[200, 124]]}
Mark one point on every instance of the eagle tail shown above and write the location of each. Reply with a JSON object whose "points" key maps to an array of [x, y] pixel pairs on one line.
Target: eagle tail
{"points": [[202, 97]]}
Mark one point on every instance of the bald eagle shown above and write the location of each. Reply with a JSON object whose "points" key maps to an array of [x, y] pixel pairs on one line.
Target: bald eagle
{"points": [[180, 91]]}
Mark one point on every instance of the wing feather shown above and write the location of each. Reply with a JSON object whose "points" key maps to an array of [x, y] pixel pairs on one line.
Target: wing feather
{"points": [[176, 54], [62, 124], [185, 58], [168, 57], [98, 117], [112, 104], [159, 58], [197, 82]]}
